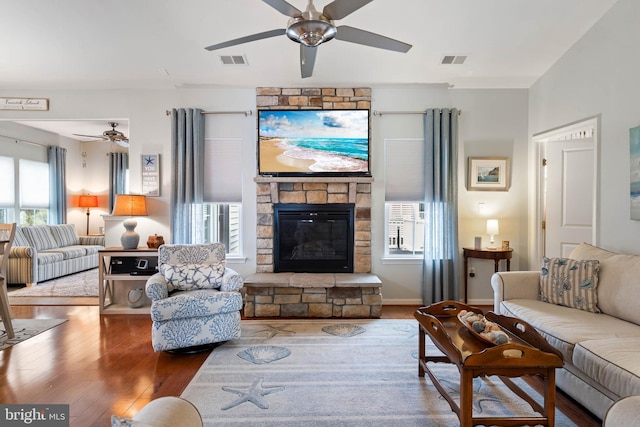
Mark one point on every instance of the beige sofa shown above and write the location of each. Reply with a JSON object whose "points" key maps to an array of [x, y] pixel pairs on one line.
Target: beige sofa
{"points": [[601, 349], [44, 252]]}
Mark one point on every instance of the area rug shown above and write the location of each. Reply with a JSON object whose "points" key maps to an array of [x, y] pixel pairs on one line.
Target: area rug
{"points": [[83, 284], [25, 329], [335, 373]]}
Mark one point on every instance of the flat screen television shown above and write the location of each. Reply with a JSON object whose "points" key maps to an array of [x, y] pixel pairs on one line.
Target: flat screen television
{"points": [[313, 143]]}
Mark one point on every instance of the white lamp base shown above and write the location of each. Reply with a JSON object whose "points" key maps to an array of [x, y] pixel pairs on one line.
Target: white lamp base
{"points": [[492, 243], [130, 238]]}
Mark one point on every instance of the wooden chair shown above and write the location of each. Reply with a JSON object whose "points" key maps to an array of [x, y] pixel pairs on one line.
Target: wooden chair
{"points": [[7, 232]]}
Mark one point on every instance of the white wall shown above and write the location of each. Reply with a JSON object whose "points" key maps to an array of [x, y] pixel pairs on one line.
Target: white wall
{"points": [[493, 122], [599, 76]]}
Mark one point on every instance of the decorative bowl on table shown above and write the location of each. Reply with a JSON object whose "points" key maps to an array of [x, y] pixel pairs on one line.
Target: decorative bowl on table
{"points": [[483, 329]]}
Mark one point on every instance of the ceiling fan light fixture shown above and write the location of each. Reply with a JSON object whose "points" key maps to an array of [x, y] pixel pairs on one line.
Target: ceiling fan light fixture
{"points": [[311, 32]]}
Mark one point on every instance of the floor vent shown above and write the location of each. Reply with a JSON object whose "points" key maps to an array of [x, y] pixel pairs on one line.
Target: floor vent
{"points": [[234, 60], [453, 59]]}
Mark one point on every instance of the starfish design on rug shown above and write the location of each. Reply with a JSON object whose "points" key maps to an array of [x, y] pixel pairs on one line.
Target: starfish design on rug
{"points": [[254, 394], [271, 331]]}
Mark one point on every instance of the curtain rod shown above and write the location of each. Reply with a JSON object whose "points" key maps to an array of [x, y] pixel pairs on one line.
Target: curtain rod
{"points": [[382, 113], [246, 113], [17, 140]]}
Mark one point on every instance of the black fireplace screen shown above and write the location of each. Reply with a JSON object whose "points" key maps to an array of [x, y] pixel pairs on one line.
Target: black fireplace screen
{"points": [[312, 238]]}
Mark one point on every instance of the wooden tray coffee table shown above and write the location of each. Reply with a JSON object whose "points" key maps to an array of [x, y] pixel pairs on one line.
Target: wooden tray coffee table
{"points": [[527, 353]]}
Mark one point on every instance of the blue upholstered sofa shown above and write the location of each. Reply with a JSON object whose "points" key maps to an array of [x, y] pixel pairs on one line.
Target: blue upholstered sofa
{"points": [[44, 252]]}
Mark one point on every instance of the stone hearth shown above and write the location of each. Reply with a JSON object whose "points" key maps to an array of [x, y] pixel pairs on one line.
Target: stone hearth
{"points": [[320, 295]]}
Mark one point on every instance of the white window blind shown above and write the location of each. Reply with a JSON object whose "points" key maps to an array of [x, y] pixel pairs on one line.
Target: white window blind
{"points": [[34, 184], [222, 170], [404, 170], [7, 183]]}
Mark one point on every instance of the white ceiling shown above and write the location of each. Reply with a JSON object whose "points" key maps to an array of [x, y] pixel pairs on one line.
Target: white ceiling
{"points": [[95, 44]]}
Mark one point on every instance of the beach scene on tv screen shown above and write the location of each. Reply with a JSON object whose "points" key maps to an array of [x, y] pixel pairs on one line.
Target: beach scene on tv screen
{"points": [[314, 141]]}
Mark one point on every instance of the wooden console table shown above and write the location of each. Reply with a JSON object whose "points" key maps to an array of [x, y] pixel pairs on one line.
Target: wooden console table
{"points": [[495, 254], [112, 300]]}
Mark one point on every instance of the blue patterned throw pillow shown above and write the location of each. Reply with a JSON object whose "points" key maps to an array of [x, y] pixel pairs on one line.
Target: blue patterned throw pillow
{"points": [[187, 277], [570, 282]]}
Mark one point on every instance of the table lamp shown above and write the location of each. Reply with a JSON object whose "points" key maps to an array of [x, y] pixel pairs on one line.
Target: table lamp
{"points": [[88, 202], [492, 229], [130, 205]]}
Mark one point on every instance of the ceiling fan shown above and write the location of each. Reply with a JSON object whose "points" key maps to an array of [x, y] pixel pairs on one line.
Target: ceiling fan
{"points": [[111, 135], [312, 28]]}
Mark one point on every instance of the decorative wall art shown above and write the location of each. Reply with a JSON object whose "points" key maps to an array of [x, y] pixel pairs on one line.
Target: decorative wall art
{"points": [[634, 177], [24, 104], [488, 174], [150, 175]]}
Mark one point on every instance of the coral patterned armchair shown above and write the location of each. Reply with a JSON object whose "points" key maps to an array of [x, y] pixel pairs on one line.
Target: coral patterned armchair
{"points": [[195, 299]]}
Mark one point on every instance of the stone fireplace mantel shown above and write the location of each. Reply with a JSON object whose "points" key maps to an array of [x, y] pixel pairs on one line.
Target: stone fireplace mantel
{"points": [[348, 179]]}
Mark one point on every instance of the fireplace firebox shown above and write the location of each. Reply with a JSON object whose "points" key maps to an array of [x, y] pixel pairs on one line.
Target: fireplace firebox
{"points": [[313, 238]]}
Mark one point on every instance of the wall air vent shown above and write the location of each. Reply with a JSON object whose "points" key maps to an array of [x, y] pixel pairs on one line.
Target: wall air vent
{"points": [[233, 60], [453, 59]]}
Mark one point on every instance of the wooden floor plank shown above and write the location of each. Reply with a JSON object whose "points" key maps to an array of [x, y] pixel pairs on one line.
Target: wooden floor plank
{"points": [[104, 365]]}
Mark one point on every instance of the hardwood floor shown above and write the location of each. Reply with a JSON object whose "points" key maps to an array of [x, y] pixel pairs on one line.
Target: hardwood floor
{"points": [[104, 365]]}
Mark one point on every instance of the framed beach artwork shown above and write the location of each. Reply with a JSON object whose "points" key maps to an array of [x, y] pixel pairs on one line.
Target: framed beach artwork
{"points": [[488, 174], [634, 177]]}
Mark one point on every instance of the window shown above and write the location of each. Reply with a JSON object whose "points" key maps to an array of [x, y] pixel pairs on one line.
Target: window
{"points": [[34, 192], [221, 214], [7, 190], [405, 222], [222, 224], [404, 198]]}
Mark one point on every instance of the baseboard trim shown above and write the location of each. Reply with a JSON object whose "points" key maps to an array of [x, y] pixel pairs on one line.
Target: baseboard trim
{"points": [[387, 301]]}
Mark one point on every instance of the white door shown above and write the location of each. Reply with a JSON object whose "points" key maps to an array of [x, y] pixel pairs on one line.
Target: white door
{"points": [[570, 195]]}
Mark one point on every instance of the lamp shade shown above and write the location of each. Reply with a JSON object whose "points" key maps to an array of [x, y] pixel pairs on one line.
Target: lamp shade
{"points": [[88, 202], [130, 205], [492, 227]]}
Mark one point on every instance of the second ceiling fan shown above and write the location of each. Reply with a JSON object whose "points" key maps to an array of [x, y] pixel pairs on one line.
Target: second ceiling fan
{"points": [[311, 28], [111, 135]]}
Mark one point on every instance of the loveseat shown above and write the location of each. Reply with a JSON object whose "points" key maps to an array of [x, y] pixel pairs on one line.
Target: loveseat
{"points": [[588, 307], [43, 252]]}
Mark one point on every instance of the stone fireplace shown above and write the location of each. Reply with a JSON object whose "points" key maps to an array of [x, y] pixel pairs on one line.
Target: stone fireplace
{"points": [[274, 191], [275, 292]]}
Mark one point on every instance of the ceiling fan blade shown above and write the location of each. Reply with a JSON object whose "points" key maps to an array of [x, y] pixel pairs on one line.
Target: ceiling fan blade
{"points": [[247, 39], [338, 9], [307, 60], [283, 7], [355, 35], [91, 136]]}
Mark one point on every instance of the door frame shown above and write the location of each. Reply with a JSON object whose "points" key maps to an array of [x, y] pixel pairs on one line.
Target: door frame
{"points": [[539, 141]]}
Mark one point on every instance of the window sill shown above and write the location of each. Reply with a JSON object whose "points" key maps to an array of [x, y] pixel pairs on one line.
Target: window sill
{"points": [[402, 260], [235, 259]]}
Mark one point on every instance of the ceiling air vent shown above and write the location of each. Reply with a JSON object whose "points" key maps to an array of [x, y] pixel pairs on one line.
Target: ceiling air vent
{"points": [[234, 60], [453, 59]]}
